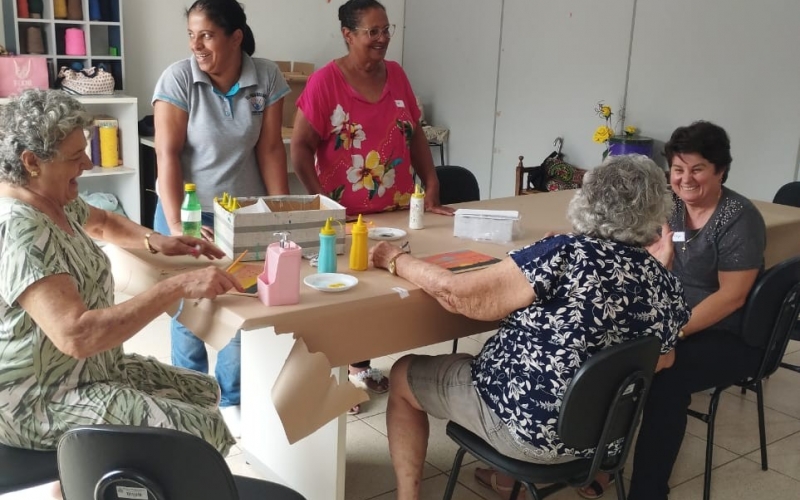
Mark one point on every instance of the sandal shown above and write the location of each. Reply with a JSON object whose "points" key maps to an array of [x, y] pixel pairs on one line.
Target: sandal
{"points": [[372, 378], [595, 489], [355, 410], [491, 483]]}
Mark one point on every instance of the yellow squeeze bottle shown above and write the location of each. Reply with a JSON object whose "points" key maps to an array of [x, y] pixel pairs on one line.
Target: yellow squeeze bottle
{"points": [[358, 249]]}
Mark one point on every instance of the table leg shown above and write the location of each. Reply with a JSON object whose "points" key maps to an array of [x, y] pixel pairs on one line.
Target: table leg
{"points": [[315, 465]]}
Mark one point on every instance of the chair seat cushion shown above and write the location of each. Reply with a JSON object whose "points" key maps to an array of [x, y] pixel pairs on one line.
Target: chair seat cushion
{"points": [[525, 471], [21, 468]]}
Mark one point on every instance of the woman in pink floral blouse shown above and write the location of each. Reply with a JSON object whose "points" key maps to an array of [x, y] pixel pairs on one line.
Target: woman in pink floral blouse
{"points": [[357, 136]]}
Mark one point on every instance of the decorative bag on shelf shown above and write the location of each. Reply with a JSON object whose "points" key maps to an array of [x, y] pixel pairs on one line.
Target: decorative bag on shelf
{"points": [[89, 81]]}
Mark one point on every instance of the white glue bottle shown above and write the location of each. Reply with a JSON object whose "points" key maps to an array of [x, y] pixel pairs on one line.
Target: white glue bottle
{"points": [[417, 209]]}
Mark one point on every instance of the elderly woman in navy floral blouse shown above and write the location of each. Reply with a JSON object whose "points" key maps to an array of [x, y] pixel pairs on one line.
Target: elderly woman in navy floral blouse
{"points": [[561, 300]]}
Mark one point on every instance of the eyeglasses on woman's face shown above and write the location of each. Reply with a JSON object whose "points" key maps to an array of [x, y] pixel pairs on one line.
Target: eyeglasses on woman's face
{"points": [[375, 33]]}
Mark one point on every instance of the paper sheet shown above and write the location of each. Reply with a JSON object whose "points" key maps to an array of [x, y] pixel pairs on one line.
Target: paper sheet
{"points": [[307, 396]]}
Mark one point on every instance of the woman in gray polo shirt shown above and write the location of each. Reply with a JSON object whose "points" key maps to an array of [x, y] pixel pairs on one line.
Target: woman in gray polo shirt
{"points": [[218, 121]]}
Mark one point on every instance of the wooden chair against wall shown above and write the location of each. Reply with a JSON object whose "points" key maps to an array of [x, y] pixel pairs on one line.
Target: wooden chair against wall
{"points": [[526, 178]]}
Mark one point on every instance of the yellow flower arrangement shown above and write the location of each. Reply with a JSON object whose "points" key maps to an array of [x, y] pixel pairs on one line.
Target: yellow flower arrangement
{"points": [[605, 132]]}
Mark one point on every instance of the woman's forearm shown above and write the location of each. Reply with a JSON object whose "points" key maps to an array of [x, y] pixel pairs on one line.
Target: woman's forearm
{"points": [[273, 169], [710, 311], [170, 190], [98, 330], [303, 164]]}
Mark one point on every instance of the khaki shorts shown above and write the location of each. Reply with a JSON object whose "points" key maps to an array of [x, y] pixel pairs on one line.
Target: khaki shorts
{"points": [[444, 388]]}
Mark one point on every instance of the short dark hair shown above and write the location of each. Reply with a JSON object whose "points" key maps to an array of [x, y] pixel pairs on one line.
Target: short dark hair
{"points": [[350, 12], [704, 138], [228, 15]]}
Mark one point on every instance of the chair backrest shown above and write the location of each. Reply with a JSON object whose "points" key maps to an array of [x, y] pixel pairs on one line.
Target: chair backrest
{"points": [[94, 460], [527, 178], [21, 468], [770, 313], [457, 185], [788, 194], [604, 401]]}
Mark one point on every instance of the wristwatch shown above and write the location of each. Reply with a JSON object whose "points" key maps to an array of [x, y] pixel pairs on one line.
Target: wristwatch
{"points": [[392, 265]]}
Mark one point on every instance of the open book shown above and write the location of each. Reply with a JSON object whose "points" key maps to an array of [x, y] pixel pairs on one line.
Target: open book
{"points": [[461, 261]]}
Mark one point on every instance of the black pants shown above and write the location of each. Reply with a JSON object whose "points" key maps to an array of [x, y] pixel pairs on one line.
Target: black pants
{"points": [[703, 361]]}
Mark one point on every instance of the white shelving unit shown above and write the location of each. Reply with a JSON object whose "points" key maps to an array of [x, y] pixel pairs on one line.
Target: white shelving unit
{"points": [[122, 181], [103, 37]]}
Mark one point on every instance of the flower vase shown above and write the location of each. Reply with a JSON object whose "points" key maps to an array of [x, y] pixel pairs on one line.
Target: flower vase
{"points": [[628, 145]]}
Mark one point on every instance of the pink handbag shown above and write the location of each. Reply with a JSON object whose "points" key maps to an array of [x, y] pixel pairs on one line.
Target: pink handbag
{"points": [[20, 73]]}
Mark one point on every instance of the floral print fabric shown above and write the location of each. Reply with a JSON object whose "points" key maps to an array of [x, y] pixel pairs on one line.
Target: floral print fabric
{"points": [[590, 294], [44, 392], [363, 159]]}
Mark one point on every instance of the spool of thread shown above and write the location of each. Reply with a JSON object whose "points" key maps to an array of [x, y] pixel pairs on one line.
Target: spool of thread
{"points": [[74, 10], [60, 9], [36, 8], [35, 40], [22, 9], [94, 10], [109, 149], [74, 42]]}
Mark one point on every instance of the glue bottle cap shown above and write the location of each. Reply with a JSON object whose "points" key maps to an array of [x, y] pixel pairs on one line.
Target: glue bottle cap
{"points": [[359, 226], [328, 230], [418, 192]]}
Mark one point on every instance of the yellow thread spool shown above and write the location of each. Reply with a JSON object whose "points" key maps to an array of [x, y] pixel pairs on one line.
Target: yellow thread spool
{"points": [[109, 147]]}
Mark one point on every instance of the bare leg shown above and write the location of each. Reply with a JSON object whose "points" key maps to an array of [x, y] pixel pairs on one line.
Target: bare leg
{"points": [[408, 430], [55, 491]]}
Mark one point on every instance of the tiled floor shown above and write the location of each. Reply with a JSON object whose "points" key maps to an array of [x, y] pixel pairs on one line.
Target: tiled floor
{"points": [[737, 473]]}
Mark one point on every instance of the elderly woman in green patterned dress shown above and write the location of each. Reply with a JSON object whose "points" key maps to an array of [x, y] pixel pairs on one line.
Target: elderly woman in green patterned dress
{"points": [[61, 335]]}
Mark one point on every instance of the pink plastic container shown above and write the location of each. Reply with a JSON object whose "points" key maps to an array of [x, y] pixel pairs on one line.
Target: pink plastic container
{"points": [[279, 284]]}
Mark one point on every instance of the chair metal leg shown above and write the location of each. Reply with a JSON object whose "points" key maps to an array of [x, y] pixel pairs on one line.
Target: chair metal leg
{"points": [[451, 483], [534, 492], [455, 346], [712, 416], [441, 153], [515, 490], [762, 430], [619, 485], [791, 367]]}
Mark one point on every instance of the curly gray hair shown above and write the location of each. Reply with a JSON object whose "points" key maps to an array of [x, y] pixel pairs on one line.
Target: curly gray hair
{"points": [[36, 121], [625, 199]]}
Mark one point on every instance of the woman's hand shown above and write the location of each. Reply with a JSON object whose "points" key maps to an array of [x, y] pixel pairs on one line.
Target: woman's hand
{"points": [[434, 206], [185, 245], [382, 253], [663, 249], [206, 283], [208, 233]]}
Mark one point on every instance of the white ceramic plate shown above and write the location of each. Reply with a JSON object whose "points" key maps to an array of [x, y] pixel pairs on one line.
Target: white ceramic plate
{"points": [[385, 233], [331, 282]]}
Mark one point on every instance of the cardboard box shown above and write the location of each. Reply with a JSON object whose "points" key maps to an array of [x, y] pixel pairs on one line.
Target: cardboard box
{"points": [[296, 75], [302, 215]]}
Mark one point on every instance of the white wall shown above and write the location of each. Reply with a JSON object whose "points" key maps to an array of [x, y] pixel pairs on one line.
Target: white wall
{"points": [[300, 30], [736, 66], [450, 53], [733, 63], [558, 60]]}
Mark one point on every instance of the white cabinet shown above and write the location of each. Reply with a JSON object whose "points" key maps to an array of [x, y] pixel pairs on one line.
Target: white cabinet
{"points": [[122, 181], [101, 27]]}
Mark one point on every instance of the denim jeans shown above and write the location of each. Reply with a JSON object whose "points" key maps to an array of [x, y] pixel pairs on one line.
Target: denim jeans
{"points": [[188, 351]]}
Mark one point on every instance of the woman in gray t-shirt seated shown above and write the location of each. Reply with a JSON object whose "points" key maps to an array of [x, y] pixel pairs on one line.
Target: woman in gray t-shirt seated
{"points": [[717, 238]]}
